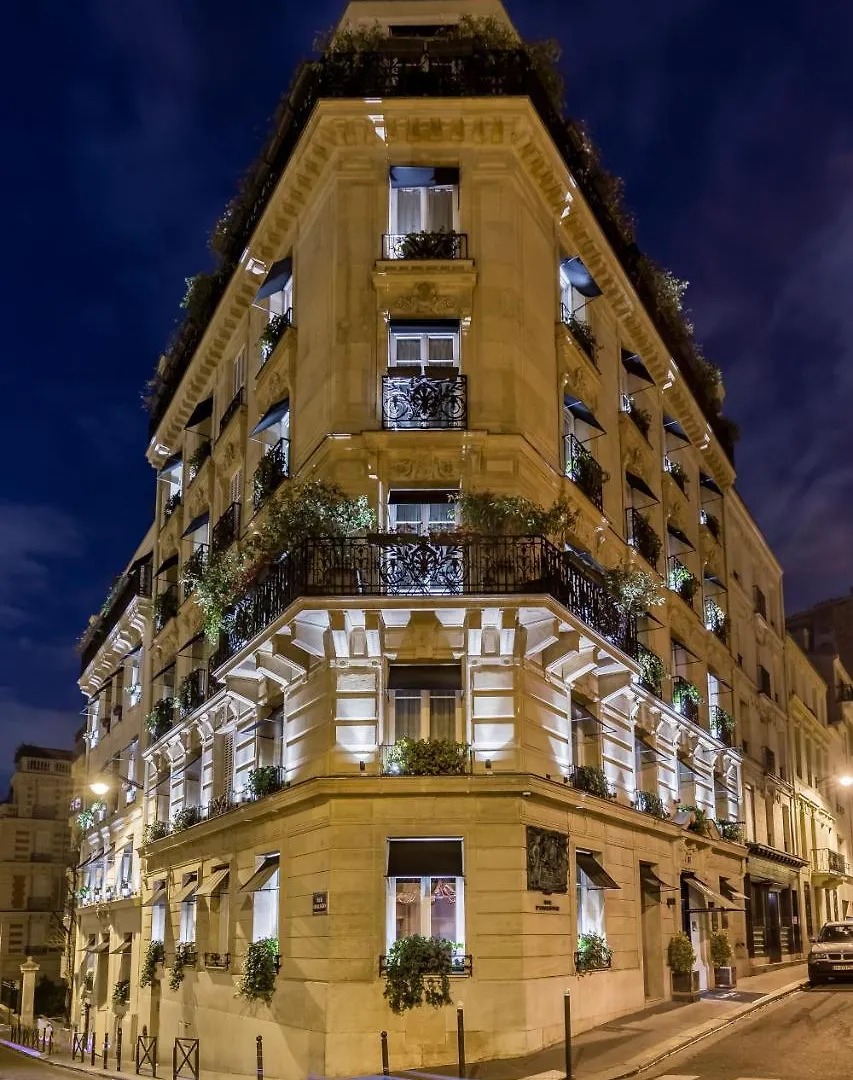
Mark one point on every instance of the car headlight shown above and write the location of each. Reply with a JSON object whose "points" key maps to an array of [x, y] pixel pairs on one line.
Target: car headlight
{"points": [[819, 956]]}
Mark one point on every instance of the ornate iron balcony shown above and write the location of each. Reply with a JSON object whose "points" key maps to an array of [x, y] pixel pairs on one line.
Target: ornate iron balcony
{"points": [[826, 861], [171, 505], [685, 698], [232, 409], [710, 522], [582, 467], [722, 725], [193, 691], [425, 245], [716, 620], [196, 460], [272, 469], [136, 583], [681, 581], [226, 530], [194, 564], [649, 802], [643, 537], [273, 332], [396, 565], [580, 331], [459, 965], [217, 961], [165, 607], [421, 402], [219, 805]]}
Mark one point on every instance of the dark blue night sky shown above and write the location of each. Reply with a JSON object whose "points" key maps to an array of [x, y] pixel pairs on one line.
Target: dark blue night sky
{"points": [[126, 128]]}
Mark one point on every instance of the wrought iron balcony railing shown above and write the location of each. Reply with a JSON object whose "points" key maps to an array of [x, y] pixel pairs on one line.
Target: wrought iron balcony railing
{"points": [[395, 565], [716, 620], [826, 861], [580, 331], [421, 402], [582, 467], [643, 537], [232, 410], [171, 505], [652, 671], [197, 460], [425, 245], [722, 725], [165, 606], [192, 692], [136, 583], [272, 334], [272, 469], [194, 565], [426, 757], [219, 805], [216, 961], [685, 698], [226, 530], [459, 965], [711, 523]]}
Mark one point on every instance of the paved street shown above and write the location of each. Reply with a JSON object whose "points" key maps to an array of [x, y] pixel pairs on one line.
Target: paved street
{"points": [[13, 1065], [808, 1036]]}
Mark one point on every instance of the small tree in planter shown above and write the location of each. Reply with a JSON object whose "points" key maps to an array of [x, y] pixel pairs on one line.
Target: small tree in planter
{"points": [[411, 961], [263, 781], [633, 589], [721, 953], [681, 959], [428, 757], [594, 954], [257, 983], [154, 955]]}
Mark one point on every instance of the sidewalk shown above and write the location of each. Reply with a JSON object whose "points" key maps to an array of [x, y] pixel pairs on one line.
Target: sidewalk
{"points": [[611, 1052]]}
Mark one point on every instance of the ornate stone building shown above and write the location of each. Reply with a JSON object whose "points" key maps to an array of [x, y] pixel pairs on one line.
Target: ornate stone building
{"points": [[426, 294]]}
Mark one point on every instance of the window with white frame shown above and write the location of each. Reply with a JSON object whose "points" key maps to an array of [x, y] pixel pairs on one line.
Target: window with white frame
{"points": [[572, 300], [125, 874], [282, 301], [238, 371], [586, 736], [94, 721], [425, 701], [686, 783], [645, 764], [134, 677], [264, 886], [131, 756], [235, 488], [186, 933], [426, 891], [592, 883], [421, 512], [423, 200], [420, 344], [713, 690], [158, 920]]}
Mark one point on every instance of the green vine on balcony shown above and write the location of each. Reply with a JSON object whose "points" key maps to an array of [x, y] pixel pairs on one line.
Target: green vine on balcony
{"points": [[731, 830], [154, 955], [634, 590], [594, 954], [682, 690], [184, 957], [593, 780], [272, 334], [185, 818], [488, 514], [121, 993], [428, 757], [154, 831], [699, 822], [161, 718], [264, 780], [680, 580], [649, 802], [300, 511], [418, 973], [257, 982]]}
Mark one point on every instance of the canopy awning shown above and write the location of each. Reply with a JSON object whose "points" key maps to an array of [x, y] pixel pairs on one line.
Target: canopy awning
{"points": [[126, 946], [211, 885], [167, 564], [262, 875], [650, 877], [598, 876], [171, 465], [674, 428], [196, 524], [280, 274], [425, 677], [190, 646], [712, 898], [730, 892], [272, 416], [159, 675], [421, 326], [186, 891], [99, 947], [424, 858], [410, 176], [580, 278], [203, 411], [639, 484], [714, 579], [581, 411], [680, 536], [710, 483], [158, 892], [635, 366]]}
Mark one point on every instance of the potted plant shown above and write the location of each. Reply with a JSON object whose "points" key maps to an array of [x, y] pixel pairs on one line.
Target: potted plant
{"points": [[411, 961], [681, 958], [428, 757], [725, 975], [121, 995], [154, 956], [257, 982], [264, 780], [184, 957], [594, 954]]}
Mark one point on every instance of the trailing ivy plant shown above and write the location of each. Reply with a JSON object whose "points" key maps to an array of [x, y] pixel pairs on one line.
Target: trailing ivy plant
{"points": [[680, 955], [263, 781], [154, 955], [593, 780], [593, 953], [257, 982], [161, 718], [153, 831], [417, 973], [680, 580], [428, 757], [634, 590], [121, 993], [186, 818], [184, 957], [299, 511], [272, 333], [649, 802], [196, 459], [684, 690], [487, 514]]}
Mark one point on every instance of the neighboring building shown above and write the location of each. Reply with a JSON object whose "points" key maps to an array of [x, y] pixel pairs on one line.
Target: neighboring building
{"points": [[774, 885], [34, 854], [423, 300], [826, 627], [115, 674]]}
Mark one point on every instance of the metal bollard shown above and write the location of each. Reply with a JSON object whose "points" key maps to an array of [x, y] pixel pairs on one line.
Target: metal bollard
{"points": [[383, 1042], [460, 1038], [43, 1039], [567, 1023], [118, 1049], [92, 1049], [259, 1042], [106, 1048], [50, 1041]]}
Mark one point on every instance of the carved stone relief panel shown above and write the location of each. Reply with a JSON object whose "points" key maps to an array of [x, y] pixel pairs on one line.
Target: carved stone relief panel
{"points": [[547, 860]]}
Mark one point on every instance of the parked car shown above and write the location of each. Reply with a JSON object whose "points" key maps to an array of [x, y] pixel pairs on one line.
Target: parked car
{"points": [[831, 955]]}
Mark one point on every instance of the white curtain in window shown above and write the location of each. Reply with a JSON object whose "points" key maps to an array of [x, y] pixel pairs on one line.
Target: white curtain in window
{"points": [[408, 350], [409, 218], [407, 714], [442, 716], [440, 209], [265, 910], [590, 906], [158, 921]]}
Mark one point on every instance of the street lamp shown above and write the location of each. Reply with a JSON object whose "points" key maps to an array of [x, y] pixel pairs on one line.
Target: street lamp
{"points": [[845, 781], [104, 782]]}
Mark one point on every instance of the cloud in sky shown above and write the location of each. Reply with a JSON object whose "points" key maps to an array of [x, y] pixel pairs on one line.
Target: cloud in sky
{"points": [[31, 538]]}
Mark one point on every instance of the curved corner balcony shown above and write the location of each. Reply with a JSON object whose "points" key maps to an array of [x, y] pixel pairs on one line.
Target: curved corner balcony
{"points": [[393, 565], [421, 402]]}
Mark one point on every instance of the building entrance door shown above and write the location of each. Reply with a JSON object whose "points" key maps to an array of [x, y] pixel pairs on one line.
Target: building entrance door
{"points": [[650, 914], [773, 928]]}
